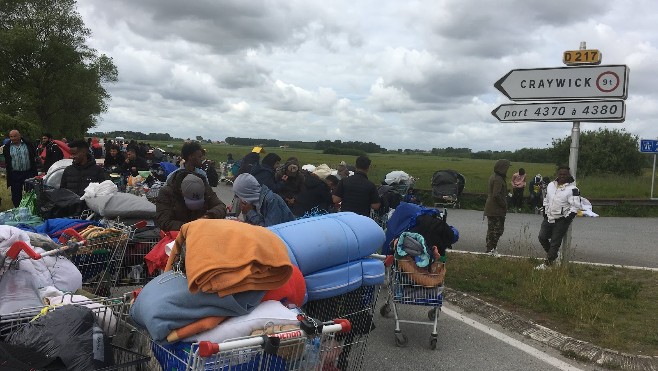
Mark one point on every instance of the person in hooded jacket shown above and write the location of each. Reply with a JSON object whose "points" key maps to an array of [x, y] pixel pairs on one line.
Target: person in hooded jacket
{"points": [[77, 176], [185, 197], [258, 204], [316, 194], [264, 172], [495, 208]]}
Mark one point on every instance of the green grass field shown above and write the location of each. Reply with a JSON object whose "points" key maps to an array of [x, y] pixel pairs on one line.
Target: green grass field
{"points": [[422, 167]]}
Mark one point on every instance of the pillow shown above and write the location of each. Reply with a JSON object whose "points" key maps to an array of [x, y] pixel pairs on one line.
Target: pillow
{"points": [[266, 312], [128, 205]]}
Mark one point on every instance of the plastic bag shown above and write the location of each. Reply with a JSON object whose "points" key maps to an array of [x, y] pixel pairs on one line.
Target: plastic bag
{"points": [[29, 201], [58, 203], [69, 333]]}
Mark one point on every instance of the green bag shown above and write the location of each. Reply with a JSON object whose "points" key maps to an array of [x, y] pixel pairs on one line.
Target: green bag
{"points": [[29, 200]]}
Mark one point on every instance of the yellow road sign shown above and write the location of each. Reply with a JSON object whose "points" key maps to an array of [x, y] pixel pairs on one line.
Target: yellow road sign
{"points": [[576, 57]]}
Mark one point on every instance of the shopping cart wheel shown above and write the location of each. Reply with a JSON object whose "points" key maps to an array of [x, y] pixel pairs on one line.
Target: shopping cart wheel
{"points": [[431, 313], [433, 341], [401, 340], [385, 310]]}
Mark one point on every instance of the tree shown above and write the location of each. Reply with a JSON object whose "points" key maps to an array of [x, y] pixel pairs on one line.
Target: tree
{"points": [[602, 151], [49, 79]]}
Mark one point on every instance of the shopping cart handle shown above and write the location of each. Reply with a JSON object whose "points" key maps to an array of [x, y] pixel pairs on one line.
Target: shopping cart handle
{"points": [[19, 246], [345, 325], [68, 234], [206, 348]]}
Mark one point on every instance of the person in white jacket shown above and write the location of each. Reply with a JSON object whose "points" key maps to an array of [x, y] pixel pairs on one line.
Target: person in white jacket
{"points": [[561, 206]]}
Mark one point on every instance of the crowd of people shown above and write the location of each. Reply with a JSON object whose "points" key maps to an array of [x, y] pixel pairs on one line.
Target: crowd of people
{"points": [[272, 191]]}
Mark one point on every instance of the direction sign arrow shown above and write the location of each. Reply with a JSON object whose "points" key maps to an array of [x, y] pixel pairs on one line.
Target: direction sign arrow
{"points": [[584, 111], [565, 83], [649, 146]]}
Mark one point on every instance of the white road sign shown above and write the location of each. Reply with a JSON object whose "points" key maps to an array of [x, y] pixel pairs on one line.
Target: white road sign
{"points": [[584, 111], [566, 83]]}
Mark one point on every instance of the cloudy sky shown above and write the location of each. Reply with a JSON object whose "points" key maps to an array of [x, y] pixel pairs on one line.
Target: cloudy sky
{"points": [[403, 74]]}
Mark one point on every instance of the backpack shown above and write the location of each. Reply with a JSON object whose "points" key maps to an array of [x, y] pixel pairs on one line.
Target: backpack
{"points": [[388, 198], [428, 222]]}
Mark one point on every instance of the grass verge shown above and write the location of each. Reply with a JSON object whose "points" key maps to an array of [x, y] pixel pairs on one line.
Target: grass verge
{"points": [[613, 308]]}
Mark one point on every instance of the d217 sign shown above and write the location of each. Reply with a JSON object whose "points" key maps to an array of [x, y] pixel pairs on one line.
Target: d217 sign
{"points": [[584, 111]]}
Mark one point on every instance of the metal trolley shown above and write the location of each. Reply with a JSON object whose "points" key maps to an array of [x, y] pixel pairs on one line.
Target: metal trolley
{"points": [[356, 306], [403, 289], [111, 315], [100, 258], [312, 345]]}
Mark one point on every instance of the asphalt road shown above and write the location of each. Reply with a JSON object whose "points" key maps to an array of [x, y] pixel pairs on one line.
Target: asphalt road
{"points": [[626, 241]]}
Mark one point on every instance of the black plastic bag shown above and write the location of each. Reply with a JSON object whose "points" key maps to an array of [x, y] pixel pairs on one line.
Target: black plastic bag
{"points": [[69, 333], [59, 203], [20, 358]]}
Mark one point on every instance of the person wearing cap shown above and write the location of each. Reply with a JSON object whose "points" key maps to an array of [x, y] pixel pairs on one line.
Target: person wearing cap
{"points": [[185, 197], [258, 204]]}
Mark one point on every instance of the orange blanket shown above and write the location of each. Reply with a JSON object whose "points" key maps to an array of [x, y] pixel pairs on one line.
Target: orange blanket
{"points": [[228, 257]]}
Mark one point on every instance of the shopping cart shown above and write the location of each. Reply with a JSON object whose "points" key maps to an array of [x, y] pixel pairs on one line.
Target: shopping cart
{"points": [[357, 307], [312, 345], [405, 287], [111, 314], [133, 269]]}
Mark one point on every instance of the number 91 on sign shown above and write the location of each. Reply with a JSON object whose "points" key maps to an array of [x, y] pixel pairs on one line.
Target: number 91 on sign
{"points": [[584, 111]]}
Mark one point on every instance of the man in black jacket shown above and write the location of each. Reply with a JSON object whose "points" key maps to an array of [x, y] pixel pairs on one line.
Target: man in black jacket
{"points": [[133, 163], [49, 151], [20, 161], [76, 177]]}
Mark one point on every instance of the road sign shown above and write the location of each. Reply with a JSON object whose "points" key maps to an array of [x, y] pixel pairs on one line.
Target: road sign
{"points": [[584, 111], [576, 57], [566, 83], [648, 146]]}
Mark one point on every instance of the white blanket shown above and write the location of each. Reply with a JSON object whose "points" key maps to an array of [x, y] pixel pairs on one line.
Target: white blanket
{"points": [[48, 274]]}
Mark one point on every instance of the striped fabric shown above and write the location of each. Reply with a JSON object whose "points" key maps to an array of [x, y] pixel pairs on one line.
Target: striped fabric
{"points": [[20, 157]]}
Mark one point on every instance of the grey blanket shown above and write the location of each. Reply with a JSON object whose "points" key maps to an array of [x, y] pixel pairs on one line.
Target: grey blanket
{"points": [[165, 304]]}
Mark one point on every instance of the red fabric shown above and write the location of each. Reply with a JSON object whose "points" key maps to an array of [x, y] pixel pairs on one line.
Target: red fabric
{"points": [[157, 258], [293, 291]]}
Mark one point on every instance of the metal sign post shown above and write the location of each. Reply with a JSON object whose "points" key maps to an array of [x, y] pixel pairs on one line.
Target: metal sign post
{"points": [[573, 167], [650, 146]]}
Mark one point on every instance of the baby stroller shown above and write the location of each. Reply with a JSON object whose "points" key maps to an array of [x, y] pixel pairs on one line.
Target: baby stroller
{"points": [[396, 187], [447, 187]]}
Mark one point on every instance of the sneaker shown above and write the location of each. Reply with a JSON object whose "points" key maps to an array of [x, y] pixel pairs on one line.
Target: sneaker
{"points": [[493, 253], [542, 267]]}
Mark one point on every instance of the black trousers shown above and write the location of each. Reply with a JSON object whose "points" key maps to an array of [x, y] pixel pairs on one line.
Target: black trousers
{"points": [[17, 184], [550, 236]]}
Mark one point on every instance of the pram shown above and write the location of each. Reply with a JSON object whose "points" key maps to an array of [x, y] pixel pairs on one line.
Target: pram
{"points": [[397, 187], [447, 187], [418, 238]]}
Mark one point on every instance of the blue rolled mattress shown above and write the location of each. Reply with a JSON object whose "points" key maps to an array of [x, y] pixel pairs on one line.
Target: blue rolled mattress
{"points": [[331, 252], [329, 240], [344, 278]]}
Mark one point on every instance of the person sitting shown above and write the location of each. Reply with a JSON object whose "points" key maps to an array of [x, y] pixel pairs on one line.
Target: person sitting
{"points": [[77, 176], [133, 163], [114, 158], [185, 197], [258, 204], [264, 172], [292, 182]]}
